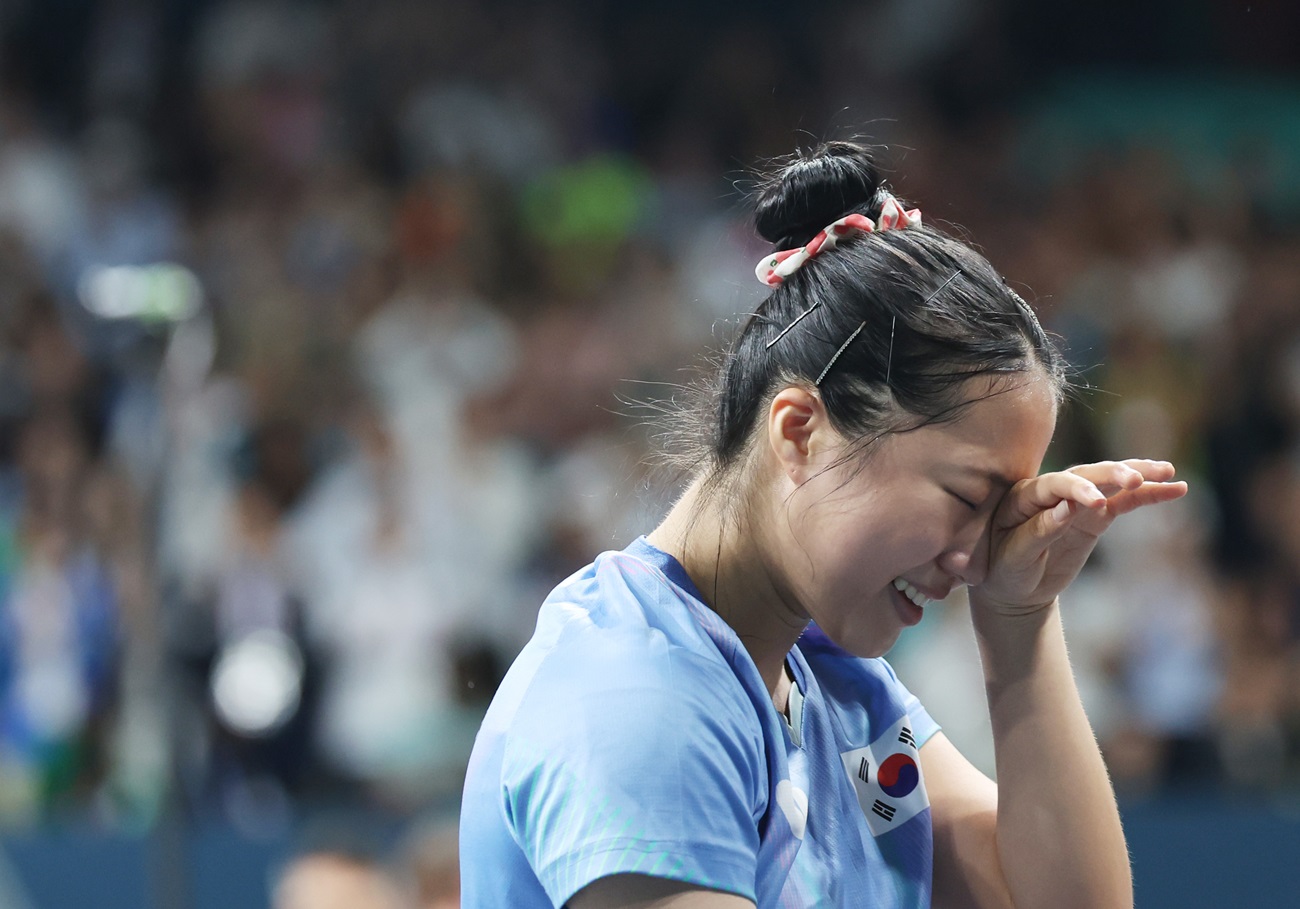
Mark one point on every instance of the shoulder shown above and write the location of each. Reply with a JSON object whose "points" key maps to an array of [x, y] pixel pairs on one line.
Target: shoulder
{"points": [[621, 611], [625, 738], [621, 670]]}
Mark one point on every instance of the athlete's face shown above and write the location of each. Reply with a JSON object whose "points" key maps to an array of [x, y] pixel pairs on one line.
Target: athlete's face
{"points": [[915, 515]]}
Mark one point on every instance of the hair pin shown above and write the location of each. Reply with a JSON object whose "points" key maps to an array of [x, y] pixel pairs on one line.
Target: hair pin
{"points": [[889, 363], [1033, 316], [893, 324], [843, 347], [953, 277], [797, 319]]}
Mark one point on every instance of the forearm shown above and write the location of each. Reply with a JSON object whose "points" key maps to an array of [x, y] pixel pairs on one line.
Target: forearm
{"points": [[1058, 830]]}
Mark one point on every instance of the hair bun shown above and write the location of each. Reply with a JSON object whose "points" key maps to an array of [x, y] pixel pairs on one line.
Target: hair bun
{"points": [[813, 190]]}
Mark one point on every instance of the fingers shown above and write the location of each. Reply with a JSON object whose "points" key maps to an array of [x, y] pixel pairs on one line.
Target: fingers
{"points": [[1112, 476], [1032, 496], [1133, 483], [1049, 526], [1159, 471], [1146, 494], [1107, 488], [1037, 535]]}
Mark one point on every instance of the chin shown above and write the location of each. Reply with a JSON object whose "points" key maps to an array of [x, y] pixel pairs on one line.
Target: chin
{"points": [[864, 647], [879, 649], [868, 631]]}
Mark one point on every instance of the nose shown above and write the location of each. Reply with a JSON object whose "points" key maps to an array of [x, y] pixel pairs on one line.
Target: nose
{"points": [[968, 560]]}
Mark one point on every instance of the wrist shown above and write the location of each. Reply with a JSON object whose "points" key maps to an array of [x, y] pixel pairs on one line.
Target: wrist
{"points": [[984, 603], [1012, 640]]}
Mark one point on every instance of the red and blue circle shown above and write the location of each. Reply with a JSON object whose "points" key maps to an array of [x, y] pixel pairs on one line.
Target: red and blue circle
{"points": [[898, 775]]}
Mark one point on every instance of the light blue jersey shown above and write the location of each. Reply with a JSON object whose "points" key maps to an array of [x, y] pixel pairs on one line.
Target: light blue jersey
{"points": [[634, 735]]}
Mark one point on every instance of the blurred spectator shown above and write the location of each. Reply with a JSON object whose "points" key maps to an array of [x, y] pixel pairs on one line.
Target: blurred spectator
{"points": [[334, 880], [432, 860], [58, 624]]}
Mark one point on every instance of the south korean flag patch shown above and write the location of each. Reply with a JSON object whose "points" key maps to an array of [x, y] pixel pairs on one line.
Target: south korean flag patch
{"points": [[887, 778]]}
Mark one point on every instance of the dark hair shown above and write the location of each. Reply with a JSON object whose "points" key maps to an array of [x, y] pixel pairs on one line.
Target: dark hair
{"points": [[929, 313]]}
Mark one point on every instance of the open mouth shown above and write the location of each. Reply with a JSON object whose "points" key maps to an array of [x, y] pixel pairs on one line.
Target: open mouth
{"points": [[911, 593], [909, 602]]}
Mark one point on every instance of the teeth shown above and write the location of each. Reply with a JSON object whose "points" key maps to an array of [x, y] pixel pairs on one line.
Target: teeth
{"points": [[911, 593]]}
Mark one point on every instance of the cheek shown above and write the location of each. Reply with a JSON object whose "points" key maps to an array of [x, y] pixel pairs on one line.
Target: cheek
{"points": [[851, 543], [871, 545], [913, 547], [918, 530]]}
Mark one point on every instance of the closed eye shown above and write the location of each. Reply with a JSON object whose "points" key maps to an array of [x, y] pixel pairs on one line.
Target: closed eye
{"points": [[965, 501]]}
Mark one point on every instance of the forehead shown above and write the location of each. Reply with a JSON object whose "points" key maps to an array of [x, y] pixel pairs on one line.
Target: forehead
{"points": [[1005, 430]]}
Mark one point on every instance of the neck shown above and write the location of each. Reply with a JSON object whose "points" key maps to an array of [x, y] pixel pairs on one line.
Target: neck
{"points": [[732, 563]]}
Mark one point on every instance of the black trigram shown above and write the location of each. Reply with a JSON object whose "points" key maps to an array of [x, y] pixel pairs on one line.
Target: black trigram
{"points": [[906, 737], [864, 771], [883, 809]]}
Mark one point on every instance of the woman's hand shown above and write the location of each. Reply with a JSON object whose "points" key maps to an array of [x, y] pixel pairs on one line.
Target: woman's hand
{"points": [[1046, 527]]}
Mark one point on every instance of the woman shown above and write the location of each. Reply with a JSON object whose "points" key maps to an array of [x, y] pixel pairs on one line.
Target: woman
{"points": [[704, 720]]}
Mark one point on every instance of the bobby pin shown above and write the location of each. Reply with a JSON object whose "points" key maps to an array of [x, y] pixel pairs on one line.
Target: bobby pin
{"points": [[889, 363], [797, 319], [1023, 305], [843, 347], [951, 278]]}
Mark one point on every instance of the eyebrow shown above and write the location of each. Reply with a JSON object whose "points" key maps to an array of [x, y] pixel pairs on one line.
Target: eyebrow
{"points": [[993, 476]]}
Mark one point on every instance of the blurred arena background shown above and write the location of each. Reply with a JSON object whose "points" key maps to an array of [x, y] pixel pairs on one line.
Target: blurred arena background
{"points": [[320, 324]]}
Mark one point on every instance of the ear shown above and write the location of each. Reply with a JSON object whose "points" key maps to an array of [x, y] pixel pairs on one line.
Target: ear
{"points": [[799, 433]]}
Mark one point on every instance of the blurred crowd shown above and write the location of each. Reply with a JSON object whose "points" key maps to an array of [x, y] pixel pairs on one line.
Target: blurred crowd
{"points": [[333, 334]]}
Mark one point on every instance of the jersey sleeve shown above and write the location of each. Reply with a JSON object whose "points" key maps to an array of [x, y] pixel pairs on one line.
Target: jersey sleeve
{"points": [[640, 759], [923, 725]]}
